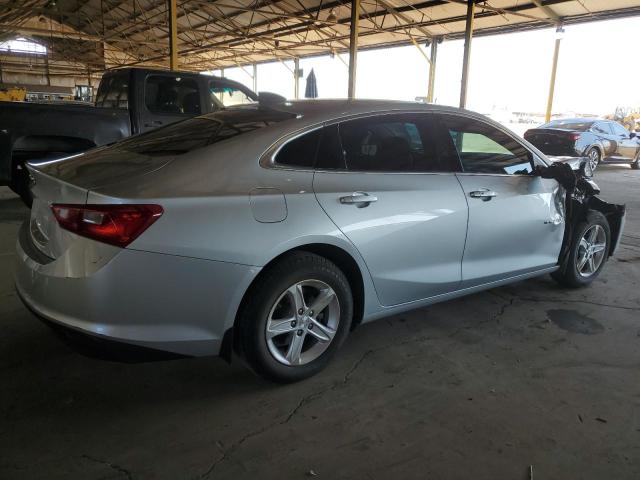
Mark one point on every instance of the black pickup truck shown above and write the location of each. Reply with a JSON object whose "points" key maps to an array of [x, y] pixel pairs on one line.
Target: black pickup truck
{"points": [[129, 101]]}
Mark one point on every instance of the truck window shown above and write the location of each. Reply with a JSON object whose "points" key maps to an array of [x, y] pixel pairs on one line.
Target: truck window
{"points": [[227, 95], [172, 95], [113, 92]]}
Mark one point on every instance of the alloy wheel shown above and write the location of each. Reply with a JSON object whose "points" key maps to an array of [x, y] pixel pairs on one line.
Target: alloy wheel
{"points": [[302, 322], [594, 159], [591, 250]]}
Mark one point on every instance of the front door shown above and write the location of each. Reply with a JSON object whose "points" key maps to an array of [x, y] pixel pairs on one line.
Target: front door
{"points": [[515, 216], [627, 146], [380, 182]]}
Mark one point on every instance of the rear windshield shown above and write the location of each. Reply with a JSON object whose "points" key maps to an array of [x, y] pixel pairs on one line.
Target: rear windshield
{"points": [[194, 133], [568, 125]]}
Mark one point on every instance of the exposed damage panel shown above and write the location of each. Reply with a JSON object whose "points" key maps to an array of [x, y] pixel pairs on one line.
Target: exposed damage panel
{"points": [[580, 198]]}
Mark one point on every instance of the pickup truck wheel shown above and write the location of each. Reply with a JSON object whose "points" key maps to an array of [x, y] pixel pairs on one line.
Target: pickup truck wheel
{"points": [[295, 317], [589, 251]]}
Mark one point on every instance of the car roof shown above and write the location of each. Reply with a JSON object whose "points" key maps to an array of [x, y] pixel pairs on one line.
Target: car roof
{"points": [[579, 120], [311, 112]]}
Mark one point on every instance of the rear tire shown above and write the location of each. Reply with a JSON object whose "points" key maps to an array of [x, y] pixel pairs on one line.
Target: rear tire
{"points": [[594, 157], [279, 335], [589, 251]]}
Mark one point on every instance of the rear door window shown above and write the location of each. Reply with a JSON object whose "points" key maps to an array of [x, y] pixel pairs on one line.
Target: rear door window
{"points": [[168, 95], [113, 92], [601, 128], [381, 143]]}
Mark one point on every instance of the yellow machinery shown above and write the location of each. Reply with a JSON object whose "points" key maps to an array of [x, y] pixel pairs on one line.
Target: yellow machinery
{"points": [[629, 118], [13, 94]]}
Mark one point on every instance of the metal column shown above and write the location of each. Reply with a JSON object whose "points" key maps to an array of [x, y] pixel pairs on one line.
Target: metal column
{"points": [[468, 36], [173, 36], [296, 78], [255, 78], [353, 46], [554, 68], [432, 68]]}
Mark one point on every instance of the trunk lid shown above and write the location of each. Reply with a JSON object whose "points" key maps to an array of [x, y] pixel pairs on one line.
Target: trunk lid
{"points": [[44, 231], [69, 180], [552, 141]]}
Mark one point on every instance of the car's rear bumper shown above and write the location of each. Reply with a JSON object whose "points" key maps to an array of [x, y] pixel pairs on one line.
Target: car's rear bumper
{"points": [[161, 302]]}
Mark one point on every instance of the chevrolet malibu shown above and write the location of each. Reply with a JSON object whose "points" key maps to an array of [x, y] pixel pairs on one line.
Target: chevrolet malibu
{"points": [[273, 230]]}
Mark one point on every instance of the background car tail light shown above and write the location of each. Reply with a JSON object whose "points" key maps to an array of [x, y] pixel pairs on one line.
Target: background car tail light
{"points": [[114, 224]]}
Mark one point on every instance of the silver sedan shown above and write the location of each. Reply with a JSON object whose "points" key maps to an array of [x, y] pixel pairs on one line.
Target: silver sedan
{"points": [[274, 230]]}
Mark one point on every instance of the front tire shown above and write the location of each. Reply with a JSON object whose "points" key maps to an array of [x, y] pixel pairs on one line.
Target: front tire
{"points": [[588, 254], [295, 317]]}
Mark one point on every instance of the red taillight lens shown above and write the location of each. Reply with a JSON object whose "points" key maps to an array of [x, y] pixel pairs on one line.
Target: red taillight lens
{"points": [[574, 136], [114, 224]]}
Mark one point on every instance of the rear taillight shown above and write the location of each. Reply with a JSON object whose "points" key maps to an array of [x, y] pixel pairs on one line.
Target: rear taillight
{"points": [[574, 136], [114, 224]]}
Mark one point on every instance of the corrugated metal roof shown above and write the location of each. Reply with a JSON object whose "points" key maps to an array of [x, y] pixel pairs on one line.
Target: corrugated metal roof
{"points": [[224, 33]]}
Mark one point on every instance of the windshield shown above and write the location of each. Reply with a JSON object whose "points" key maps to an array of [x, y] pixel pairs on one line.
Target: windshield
{"points": [[194, 133], [569, 125]]}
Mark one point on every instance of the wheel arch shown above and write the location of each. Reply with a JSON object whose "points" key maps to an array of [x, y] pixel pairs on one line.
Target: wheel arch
{"points": [[338, 255]]}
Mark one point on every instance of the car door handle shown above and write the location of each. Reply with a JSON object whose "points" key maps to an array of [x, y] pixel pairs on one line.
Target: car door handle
{"points": [[153, 123], [359, 199], [484, 194]]}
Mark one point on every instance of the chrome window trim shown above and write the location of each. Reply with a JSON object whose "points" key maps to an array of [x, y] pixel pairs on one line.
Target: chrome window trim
{"points": [[267, 159]]}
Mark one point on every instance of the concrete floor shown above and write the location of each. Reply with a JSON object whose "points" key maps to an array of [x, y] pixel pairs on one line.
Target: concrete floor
{"points": [[477, 388]]}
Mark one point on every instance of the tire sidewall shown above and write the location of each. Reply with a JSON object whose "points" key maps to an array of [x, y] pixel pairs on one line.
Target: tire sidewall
{"points": [[255, 349], [593, 218], [595, 149]]}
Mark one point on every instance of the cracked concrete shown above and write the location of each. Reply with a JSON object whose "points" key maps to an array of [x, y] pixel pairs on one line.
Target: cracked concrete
{"points": [[483, 387]]}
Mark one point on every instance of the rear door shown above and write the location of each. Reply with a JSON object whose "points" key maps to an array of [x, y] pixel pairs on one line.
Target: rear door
{"points": [[381, 181], [168, 98], [515, 225]]}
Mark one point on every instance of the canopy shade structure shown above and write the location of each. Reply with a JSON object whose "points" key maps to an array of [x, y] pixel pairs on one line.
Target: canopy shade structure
{"points": [[213, 34]]}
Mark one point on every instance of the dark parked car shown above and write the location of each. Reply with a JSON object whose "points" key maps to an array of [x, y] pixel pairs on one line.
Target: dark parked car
{"points": [[600, 140], [129, 101]]}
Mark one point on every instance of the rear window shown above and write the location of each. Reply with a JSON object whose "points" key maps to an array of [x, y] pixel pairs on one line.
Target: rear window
{"points": [[568, 125], [195, 133], [113, 91]]}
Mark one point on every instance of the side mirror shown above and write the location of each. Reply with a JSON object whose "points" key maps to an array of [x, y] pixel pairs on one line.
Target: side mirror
{"points": [[633, 134]]}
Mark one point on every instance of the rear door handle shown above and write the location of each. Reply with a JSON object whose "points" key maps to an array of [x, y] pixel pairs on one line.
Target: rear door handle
{"points": [[153, 123], [485, 194], [359, 199]]}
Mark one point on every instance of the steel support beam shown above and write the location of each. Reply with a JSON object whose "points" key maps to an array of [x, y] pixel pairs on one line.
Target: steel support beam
{"points": [[554, 68], [353, 47], [296, 78], [255, 77], [468, 37], [432, 69], [173, 35]]}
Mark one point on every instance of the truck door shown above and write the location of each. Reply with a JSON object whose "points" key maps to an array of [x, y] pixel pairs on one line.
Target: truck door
{"points": [[168, 98]]}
